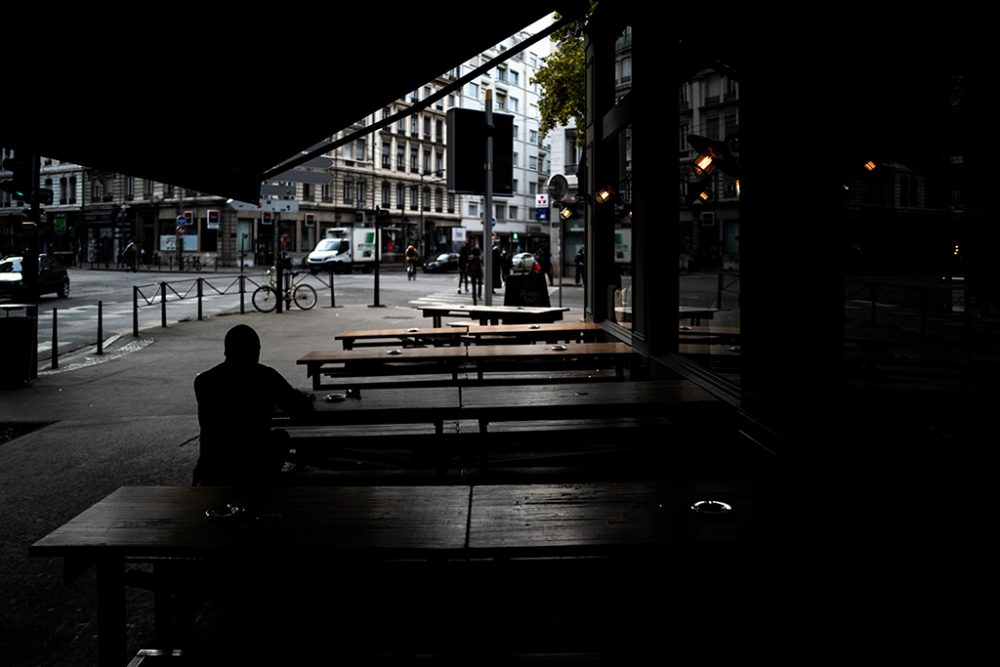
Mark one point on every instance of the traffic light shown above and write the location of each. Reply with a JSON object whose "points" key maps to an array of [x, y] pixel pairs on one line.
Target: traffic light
{"points": [[19, 184], [515, 236], [189, 217]]}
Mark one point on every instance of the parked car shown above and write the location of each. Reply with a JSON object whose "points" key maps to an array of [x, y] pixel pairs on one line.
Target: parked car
{"points": [[52, 277], [446, 261], [523, 262]]}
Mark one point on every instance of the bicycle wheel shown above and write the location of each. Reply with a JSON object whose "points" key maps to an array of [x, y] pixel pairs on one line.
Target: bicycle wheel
{"points": [[304, 296], [264, 299]]}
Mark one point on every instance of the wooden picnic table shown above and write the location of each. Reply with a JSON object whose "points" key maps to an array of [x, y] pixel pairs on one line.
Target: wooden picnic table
{"points": [[320, 526], [280, 525], [410, 337], [549, 332], [446, 363], [515, 402], [552, 332], [495, 314]]}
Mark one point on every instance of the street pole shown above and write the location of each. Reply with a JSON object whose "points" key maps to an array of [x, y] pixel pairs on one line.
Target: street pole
{"points": [[488, 196]]}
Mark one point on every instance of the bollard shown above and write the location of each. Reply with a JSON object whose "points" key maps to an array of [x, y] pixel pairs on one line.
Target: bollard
{"points": [[200, 285], [243, 290], [135, 311], [55, 338], [100, 327], [163, 305], [333, 298]]}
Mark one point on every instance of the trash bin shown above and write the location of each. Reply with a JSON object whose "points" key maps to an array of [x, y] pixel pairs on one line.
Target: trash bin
{"points": [[18, 332]]}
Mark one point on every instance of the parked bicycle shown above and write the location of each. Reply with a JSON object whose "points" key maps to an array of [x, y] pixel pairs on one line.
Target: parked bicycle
{"points": [[265, 298]]}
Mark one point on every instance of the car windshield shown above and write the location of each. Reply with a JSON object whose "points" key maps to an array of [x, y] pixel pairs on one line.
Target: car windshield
{"points": [[444, 257], [12, 265], [332, 244]]}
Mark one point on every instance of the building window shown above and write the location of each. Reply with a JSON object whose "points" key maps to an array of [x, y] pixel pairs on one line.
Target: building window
{"points": [[413, 198], [533, 162], [501, 101], [451, 100], [427, 128], [501, 73], [517, 132], [683, 96], [414, 160], [473, 209], [386, 192], [326, 193], [400, 196], [438, 200], [425, 198], [514, 159], [347, 150], [427, 92], [515, 78], [400, 157], [498, 211], [427, 162], [514, 104], [307, 192], [439, 163], [413, 126], [682, 146], [512, 212], [362, 192], [348, 191], [533, 136], [62, 190], [472, 90], [386, 113], [451, 203], [168, 191], [386, 156], [147, 188], [532, 188], [415, 96], [515, 185], [712, 128], [401, 126]]}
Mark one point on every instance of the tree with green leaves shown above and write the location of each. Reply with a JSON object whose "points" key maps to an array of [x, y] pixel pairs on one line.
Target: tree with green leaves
{"points": [[562, 79]]}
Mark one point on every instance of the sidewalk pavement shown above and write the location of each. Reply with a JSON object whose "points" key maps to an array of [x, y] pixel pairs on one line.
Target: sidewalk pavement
{"points": [[126, 418]]}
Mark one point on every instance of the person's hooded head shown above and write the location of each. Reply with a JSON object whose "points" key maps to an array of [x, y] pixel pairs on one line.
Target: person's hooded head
{"points": [[242, 345]]}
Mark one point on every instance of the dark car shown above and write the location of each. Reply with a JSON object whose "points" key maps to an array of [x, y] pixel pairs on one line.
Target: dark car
{"points": [[52, 277], [447, 261]]}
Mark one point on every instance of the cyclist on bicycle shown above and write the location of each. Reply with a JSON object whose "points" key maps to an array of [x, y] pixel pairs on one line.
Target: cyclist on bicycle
{"points": [[411, 256]]}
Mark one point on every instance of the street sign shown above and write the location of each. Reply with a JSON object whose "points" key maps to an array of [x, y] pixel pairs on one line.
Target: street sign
{"points": [[181, 220], [542, 214], [541, 201]]}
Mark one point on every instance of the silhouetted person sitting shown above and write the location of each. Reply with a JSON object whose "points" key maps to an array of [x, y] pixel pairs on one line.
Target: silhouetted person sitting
{"points": [[236, 400]]}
